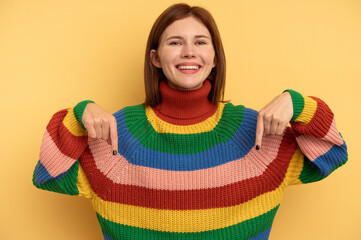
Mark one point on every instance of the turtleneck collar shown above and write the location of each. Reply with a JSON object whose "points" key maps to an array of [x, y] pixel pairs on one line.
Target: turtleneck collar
{"points": [[185, 107]]}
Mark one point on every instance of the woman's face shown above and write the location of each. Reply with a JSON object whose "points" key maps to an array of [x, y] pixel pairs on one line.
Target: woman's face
{"points": [[185, 54]]}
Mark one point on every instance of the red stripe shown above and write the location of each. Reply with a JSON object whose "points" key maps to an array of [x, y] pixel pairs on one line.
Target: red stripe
{"points": [[319, 124], [230, 195], [70, 145]]}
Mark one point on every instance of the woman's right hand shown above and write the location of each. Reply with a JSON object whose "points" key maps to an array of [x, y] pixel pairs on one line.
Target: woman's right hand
{"points": [[101, 125]]}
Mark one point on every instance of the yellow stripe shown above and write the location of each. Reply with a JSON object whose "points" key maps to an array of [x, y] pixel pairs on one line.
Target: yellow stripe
{"points": [[73, 125], [308, 111], [83, 184], [161, 126], [295, 168], [205, 219], [187, 220]]}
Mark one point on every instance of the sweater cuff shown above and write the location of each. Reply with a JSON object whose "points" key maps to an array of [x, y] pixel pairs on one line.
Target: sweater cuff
{"points": [[304, 107], [79, 111]]}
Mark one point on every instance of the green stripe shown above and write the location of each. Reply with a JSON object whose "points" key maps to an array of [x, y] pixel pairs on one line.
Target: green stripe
{"points": [[310, 172], [298, 103], [243, 230], [66, 185], [139, 127], [79, 110]]}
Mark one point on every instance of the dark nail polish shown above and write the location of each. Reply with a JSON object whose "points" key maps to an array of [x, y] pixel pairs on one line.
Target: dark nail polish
{"points": [[115, 152], [257, 147]]}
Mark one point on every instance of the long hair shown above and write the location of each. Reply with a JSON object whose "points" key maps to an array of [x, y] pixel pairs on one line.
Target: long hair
{"points": [[153, 75]]}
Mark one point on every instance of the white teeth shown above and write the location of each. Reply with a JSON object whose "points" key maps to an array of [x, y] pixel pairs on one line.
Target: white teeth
{"points": [[188, 67]]}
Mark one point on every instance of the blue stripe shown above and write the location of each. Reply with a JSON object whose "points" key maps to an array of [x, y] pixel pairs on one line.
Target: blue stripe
{"points": [[106, 237], [335, 157], [42, 175], [237, 147], [262, 236]]}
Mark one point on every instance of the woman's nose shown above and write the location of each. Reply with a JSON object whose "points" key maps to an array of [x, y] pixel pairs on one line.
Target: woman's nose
{"points": [[188, 51]]}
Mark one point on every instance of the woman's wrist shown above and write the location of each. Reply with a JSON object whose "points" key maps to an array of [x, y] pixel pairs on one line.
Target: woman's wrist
{"points": [[304, 107], [298, 103], [79, 111]]}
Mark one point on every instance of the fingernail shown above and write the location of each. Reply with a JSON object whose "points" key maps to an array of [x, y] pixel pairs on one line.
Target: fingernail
{"points": [[257, 147], [115, 152]]}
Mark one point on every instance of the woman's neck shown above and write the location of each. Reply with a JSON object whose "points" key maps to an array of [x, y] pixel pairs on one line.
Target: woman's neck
{"points": [[185, 107]]}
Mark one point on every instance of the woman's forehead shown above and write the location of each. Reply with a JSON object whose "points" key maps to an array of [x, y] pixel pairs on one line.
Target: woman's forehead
{"points": [[186, 27]]}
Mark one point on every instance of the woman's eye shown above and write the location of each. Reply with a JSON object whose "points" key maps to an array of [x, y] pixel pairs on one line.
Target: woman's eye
{"points": [[174, 43], [201, 43]]}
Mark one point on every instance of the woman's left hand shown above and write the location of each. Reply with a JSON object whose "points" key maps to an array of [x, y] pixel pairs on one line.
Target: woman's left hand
{"points": [[274, 117]]}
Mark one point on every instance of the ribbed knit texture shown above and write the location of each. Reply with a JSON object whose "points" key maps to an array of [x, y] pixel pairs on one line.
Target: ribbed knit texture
{"points": [[194, 109], [188, 172]]}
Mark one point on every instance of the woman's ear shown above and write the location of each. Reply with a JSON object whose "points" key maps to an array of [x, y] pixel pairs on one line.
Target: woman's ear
{"points": [[214, 62], [155, 59]]}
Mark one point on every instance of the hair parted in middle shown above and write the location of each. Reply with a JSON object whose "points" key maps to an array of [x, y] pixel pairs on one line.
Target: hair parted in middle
{"points": [[153, 75]]}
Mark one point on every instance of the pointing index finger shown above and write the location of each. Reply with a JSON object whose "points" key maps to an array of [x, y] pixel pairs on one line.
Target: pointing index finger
{"points": [[259, 132], [114, 136]]}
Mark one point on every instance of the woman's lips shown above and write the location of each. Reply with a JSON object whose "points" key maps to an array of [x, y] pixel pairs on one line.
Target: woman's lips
{"points": [[188, 68]]}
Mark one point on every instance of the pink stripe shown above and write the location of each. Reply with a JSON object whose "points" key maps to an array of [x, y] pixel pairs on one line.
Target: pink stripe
{"points": [[333, 134], [52, 159], [313, 147], [119, 170]]}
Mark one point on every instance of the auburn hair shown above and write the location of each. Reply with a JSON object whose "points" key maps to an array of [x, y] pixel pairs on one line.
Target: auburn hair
{"points": [[153, 75]]}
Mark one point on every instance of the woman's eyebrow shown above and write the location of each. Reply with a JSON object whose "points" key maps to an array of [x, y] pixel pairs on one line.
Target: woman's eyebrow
{"points": [[174, 37], [202, 36], [179, 37]]}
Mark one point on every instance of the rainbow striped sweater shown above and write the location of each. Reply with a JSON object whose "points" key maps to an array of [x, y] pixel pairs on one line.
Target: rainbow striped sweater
{"points": [[185, 174]]}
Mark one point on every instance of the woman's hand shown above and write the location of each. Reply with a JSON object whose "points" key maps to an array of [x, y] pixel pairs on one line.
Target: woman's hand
{"points": [[101, 125], [274, 117]]}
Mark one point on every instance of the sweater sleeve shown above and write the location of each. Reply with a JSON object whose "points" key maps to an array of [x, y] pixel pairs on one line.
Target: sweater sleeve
{"points": [[64, 140], [322, 146]]}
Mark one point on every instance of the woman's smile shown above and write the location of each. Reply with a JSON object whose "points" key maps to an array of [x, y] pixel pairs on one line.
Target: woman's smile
{"points": [[188, 67]]}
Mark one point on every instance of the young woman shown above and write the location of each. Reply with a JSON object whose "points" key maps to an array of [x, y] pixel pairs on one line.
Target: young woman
{"points": [[185, 164]]}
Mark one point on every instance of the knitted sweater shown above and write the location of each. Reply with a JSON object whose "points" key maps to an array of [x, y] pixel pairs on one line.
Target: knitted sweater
{"points": [[188, 169]]}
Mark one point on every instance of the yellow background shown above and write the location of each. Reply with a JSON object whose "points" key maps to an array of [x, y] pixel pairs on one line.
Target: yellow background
{"points": [[54, 54]]}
